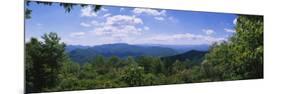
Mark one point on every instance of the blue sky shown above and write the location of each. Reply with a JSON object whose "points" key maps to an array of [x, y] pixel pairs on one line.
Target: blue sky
{"points": [[82, 26]]}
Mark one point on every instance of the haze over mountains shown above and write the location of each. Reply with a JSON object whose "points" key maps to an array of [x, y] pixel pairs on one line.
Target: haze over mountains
{"points": [[81, 54], [182, 48], [178, 48]]}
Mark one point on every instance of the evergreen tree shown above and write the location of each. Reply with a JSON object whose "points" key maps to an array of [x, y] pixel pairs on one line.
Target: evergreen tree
{"points": [[44, 61]]}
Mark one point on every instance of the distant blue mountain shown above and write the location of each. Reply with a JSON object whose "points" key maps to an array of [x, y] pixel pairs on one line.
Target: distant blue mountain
{"points": [[82, 54], [70, 48], [182, 48]]}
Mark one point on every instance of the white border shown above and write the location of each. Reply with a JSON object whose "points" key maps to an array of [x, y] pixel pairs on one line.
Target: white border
{"points": [[222, 6], [11, 49]]}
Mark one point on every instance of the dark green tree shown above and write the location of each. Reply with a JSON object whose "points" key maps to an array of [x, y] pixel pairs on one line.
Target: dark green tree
{"points": [[248, 41], [44, 62], [242, 56], [159, 66], [70, 69], [33, 69], [114, 60], [177, 67], [99, 64], [149, 64], [150, 79], [88, 72], [134, 76]]}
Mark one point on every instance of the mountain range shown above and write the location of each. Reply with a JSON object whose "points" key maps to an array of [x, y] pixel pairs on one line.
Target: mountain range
{"points": [[182, 48], [81, 54]]}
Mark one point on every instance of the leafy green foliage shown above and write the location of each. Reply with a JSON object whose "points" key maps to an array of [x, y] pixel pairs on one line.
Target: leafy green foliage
{"points": [[44, 62], [242, 56], [134, 76]]}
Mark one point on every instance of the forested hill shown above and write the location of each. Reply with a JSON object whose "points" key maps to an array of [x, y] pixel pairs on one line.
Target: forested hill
{"points": [[121, 50], [183, 48], [193, 55], [70, 48]]}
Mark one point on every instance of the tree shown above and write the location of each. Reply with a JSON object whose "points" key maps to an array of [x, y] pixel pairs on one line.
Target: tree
{"points": [[114, 60], [159, 66], [70, 68], [150, 79], [221, 59], [242, 56], [99, 64], [177, 67], [44, 62], [52, 56], [32, 69], [88, 72], [69, 83], [249, 42], [134, 76], [209, 72], [148, 63]]}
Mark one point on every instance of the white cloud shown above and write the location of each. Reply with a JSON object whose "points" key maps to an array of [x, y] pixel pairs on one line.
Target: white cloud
{"points": [[85, 24], [88, 12], [96, 23], [122, 9], [139, 29], [106, 15], [158, 15], [208, 31], [235, 21], [77, 34], [119, 27], [103, 9], [123, 20], [184, 38], [116, 30], [147, 11], [173, 19], [229, 30], [146, 28], [159, 18]]}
